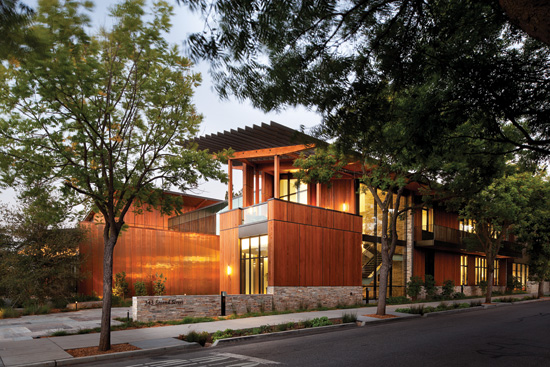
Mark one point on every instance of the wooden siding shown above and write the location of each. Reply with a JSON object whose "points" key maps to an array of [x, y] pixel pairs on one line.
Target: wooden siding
{"points": [[446, 267], [189, 261], [444, 219], [230, 251], [419, 263]]}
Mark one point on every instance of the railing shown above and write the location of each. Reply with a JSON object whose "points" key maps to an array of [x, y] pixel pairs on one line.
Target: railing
{"points": [[255, 213]]}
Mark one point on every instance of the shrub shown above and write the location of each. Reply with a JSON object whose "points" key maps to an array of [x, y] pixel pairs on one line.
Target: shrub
{"points": [[320, 321], [194, 337], [414, 286], [59, 303], [159, 285], [429, 285], [448, 288], [349, 317], [475, 303], [397, 300], [464, 305], [119, 302], [417, 310], [84, 298], [459, 295], [8, 312], [59, 333], [140, 289], [120, 285], [513, 283], [227, 333], [483, 286]]}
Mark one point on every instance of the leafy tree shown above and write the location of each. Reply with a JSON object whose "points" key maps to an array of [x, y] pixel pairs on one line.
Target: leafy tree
{"points": [[534, 232], [496, 210], [105, 115], [449, 62], [38, 253], [16, 39]]}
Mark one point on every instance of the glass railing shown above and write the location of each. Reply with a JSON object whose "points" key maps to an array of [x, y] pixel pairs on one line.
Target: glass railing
{"points": [[255, 213]]}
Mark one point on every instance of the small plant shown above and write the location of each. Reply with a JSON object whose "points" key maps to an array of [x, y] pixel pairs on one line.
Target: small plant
{"points": [[140, 289], [159, 285], [417, 310], [320, 321], [349, 317], [397, 300], [227, 333], [429, 286], [448, 288], [194, 337], [8, 313], [59, 333], [265, 329], [414, 287], [120, 285]]}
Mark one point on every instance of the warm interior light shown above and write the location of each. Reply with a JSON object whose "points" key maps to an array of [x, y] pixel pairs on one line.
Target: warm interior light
{"points": [[344, 207], [229, 270]]}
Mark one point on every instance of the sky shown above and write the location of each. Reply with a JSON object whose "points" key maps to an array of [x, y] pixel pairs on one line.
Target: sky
{"points": [[218, 115]]}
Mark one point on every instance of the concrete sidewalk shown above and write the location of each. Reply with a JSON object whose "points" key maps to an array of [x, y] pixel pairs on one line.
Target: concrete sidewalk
{"points": [[51, 351]]}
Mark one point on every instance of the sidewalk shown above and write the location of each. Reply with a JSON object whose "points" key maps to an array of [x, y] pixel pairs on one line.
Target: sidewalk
{"points": [[51, 351]]}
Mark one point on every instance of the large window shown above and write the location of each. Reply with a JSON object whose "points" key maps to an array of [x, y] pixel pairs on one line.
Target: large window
{"points": [[254, 268], [427, 220], [521, 273], [496, 272], [481, 270], [291, 190], [372, 214], [467, 225], [464, 270]]}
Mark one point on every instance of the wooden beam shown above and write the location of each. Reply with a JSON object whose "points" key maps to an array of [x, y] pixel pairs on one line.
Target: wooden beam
{"points": [[276, 178], [271, 151], [318, 194], [257, 187], [248, 185], [230, 183]]}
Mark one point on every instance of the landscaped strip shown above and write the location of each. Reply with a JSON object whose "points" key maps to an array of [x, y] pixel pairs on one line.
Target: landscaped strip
{"points": [[421, 309]]}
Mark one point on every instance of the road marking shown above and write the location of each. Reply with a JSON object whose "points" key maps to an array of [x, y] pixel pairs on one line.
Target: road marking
{"points": [[214, 359]]}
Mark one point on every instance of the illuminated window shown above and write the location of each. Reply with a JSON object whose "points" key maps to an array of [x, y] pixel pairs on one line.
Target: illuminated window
{"points": [[467, 225], [254, 269], [427, 219], [496, 272], [464, 270], [521, 273], [481, 270], [291, 190]]}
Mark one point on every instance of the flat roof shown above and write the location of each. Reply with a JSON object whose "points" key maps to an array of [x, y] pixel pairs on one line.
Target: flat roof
{"points": [[272, 135]]}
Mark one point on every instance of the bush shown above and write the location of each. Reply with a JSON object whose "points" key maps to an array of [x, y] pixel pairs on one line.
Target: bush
{"points": [[483, 286], [397, 300], [429, 286], [459, 295], [35, 309], [8, 313], [414, 286], [349, 317], [159, 285], [448, 288], [320, 321], [194, 337], [119, 302], [120, 285], [140, 289], [227, 333], [59, 303], [84, 298], [513, 283]]}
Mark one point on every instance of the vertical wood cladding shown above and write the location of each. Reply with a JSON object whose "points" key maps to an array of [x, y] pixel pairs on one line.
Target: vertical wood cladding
{"points": [[419, 263], [445, 219], [230, 251], [189, 261], [446, 267]]}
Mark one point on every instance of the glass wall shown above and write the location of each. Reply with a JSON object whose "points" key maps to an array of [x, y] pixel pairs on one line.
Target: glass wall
{"points": [[291, 190], [372, 215], [463, 269], [481, 269], [254, 265], [521, 273]]}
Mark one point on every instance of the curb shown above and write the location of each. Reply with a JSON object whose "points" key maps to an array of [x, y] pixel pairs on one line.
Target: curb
{"points": [[391, 320], [110, 356], [305, 331]]}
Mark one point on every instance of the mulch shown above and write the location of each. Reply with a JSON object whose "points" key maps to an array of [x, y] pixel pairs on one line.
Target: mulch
{"points": [[93, 351], [381, 316]]}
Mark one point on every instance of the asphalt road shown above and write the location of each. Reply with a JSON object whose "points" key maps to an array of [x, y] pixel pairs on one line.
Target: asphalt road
{"points": [[515, 335]]}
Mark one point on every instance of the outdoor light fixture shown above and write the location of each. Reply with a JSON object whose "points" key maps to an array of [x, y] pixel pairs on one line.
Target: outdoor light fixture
{"points": [[344, 207], [229, 270]]}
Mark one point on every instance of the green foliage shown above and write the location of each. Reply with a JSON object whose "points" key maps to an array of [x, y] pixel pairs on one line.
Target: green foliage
{"points": [[8, 312], [320, 321], [195, 337], [349, 317], [483, 286], [513, 283], [414, 287], [120, 287], [459, 295], [159, 285], [429, 285], [227, 333], [120, 302], [398, 300], [83, 298], [36, 309], [59, 333], [38, 252], [448, 288]]}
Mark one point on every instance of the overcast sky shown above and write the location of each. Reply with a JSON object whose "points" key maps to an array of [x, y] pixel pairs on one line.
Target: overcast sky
{"points": [[218, 115]]}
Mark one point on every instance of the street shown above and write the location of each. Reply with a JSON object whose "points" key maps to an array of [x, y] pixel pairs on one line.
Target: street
{"points": [[512, 335]]}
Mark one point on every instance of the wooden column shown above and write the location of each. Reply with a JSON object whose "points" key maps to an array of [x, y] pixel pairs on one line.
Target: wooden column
{"points": [[318, 194], [230, 183], [248, 185], [276, 176], [257, 187], [267, 186]]}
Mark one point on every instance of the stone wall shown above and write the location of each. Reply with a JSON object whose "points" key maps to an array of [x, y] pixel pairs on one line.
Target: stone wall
{"points": [[293, 298], [164, 308]]}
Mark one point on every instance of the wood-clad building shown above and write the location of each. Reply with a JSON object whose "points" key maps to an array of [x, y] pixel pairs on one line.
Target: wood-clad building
{"points": [[287, 237]]}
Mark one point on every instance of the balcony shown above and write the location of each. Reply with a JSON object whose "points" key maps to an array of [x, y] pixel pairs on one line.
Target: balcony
{"points": [[451, 238], [255, 213]]}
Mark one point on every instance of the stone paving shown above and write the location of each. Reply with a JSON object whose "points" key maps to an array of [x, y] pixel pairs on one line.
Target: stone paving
{"points": [[29, 327]]}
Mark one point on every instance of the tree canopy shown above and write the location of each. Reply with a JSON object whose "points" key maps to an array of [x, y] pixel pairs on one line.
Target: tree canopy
{"points": [[105, 115]]}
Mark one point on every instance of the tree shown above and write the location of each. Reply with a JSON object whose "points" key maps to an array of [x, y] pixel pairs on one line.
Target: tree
{"points": [[38, 252], [495, 211], [534, 232], [450, 61], [104, 115], [16, 39]]}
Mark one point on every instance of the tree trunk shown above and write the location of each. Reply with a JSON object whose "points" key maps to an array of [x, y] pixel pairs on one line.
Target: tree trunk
{"points": [[490, 277], [105, 336], [531, 16], [383, 289], [540, 292]]}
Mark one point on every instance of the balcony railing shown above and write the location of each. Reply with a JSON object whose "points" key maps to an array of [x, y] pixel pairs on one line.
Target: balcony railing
{"points": [[255, 213]]}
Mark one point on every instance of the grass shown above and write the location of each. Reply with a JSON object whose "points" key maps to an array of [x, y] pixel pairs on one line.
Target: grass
{"points": [[8, 313], [422, 310]]}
